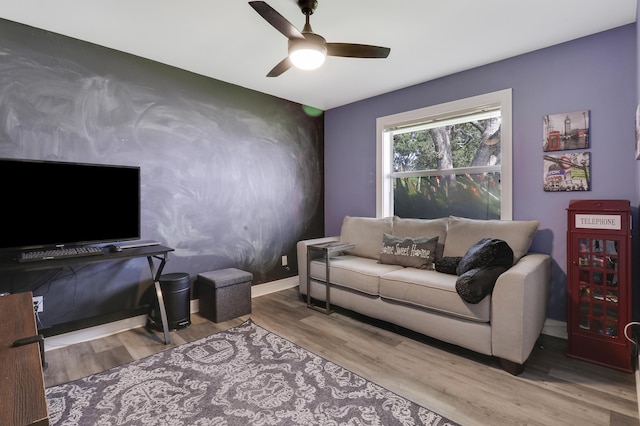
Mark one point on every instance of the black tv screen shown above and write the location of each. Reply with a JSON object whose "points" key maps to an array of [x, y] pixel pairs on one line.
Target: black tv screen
{"points": [[52, 203]]}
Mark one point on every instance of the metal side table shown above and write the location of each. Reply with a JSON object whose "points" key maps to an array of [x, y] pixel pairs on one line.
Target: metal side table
{"points": [[325, 250]]}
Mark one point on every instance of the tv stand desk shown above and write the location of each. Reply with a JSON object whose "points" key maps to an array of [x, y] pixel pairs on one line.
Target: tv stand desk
{"points": [[156, 252]]}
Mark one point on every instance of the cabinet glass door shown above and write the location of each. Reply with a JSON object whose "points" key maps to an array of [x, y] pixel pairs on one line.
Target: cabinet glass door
{"points": [[598, 310]]}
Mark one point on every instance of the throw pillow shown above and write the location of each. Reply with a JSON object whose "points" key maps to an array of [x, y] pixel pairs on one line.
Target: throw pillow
{"points": [[406, 227], [486, 252], [462, 233], [475, 284], [415, 252], [448, 265], [365, 233]]}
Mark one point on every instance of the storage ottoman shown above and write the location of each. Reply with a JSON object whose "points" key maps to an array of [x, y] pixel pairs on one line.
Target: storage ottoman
{"points": [[224, 294]]}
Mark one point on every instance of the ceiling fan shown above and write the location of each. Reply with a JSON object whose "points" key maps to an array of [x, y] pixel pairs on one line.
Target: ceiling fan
{"points": [[308, 50]]}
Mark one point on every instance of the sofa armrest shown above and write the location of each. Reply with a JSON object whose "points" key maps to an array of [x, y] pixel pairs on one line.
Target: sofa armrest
{"points": [[301, 249], [519, 307]]}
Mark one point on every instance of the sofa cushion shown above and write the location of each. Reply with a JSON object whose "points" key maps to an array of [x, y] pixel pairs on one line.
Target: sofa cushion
{"points": [[357, 273], [462, 233], [448, 265], [415, 252], [422, 228], [366, 233], [431, 290], [485, 253], [476, 284]]}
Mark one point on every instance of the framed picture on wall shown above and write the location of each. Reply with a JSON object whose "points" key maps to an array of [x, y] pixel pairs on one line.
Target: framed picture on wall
{"points": [[566, 131], [638, 132], [567, 172]]}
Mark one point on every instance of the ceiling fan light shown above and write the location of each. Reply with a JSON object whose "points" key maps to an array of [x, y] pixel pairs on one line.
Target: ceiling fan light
{"points": [[307, 56]]}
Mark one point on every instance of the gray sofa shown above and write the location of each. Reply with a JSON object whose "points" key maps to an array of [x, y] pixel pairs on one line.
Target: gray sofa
{"points": [[505, 324]]}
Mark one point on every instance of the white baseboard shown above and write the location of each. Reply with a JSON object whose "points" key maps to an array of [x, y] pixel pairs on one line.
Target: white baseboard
{"points": [[84, 335], [555, 328], [551, 327], [103, 330], [274, 286]]}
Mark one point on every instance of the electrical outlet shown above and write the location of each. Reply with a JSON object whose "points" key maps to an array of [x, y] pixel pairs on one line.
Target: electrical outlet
{"points": [[284, 261], [38, 303]]}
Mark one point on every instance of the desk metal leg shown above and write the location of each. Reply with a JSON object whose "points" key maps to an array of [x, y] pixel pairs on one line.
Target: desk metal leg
{"points": [[326, 256], [156, 282], [308, 278]]}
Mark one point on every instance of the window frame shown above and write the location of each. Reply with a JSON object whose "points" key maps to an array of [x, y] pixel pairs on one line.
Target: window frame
{"points": [[384, 150]]}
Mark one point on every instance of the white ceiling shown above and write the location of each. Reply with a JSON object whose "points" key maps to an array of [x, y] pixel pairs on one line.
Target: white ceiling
{"points": [[229, 41]]}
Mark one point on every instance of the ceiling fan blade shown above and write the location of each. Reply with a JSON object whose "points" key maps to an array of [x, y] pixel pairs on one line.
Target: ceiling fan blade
{"points": [[282, 66], [351, 50], [278, 21]]}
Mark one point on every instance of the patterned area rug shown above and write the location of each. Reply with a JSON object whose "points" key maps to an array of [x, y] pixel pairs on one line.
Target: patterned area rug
{"points": [[243, 376]]}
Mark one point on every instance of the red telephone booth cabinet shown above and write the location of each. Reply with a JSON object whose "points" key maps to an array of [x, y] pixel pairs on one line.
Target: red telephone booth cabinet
{"points": [[599, 282]]}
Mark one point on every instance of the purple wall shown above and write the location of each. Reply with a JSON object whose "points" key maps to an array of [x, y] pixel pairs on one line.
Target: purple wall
{"points": [[596, 73], [637, 55]]}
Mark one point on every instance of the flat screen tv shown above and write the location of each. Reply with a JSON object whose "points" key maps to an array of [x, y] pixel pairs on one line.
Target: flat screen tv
{"points": [[46, 204]]}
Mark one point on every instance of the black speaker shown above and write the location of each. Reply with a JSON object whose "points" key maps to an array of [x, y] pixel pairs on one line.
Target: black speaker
{"points": [[176, 294]]}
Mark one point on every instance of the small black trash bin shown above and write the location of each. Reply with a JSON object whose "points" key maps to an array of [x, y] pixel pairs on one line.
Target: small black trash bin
{"points": [[176, 294]]}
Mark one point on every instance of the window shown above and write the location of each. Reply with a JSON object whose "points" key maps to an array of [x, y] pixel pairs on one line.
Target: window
{"points": [[448, 159]]}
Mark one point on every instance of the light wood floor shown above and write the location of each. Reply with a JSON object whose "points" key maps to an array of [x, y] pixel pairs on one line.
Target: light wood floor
{"points": [[464, 386]]}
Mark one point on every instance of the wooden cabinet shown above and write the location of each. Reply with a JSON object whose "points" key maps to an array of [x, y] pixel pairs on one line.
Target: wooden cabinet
{"points": [[22, 398], [599, 282]]}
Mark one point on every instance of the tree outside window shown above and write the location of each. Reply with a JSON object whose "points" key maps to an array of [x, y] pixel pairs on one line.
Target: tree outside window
{"points": [[449, 161], [438, 153]]}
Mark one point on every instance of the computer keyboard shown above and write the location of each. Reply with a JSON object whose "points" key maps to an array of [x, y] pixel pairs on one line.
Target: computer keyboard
{"points": [[59, 253]]}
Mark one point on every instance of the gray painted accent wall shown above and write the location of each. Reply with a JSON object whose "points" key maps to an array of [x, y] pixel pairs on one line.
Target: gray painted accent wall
{"points": [[230, 177]]}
